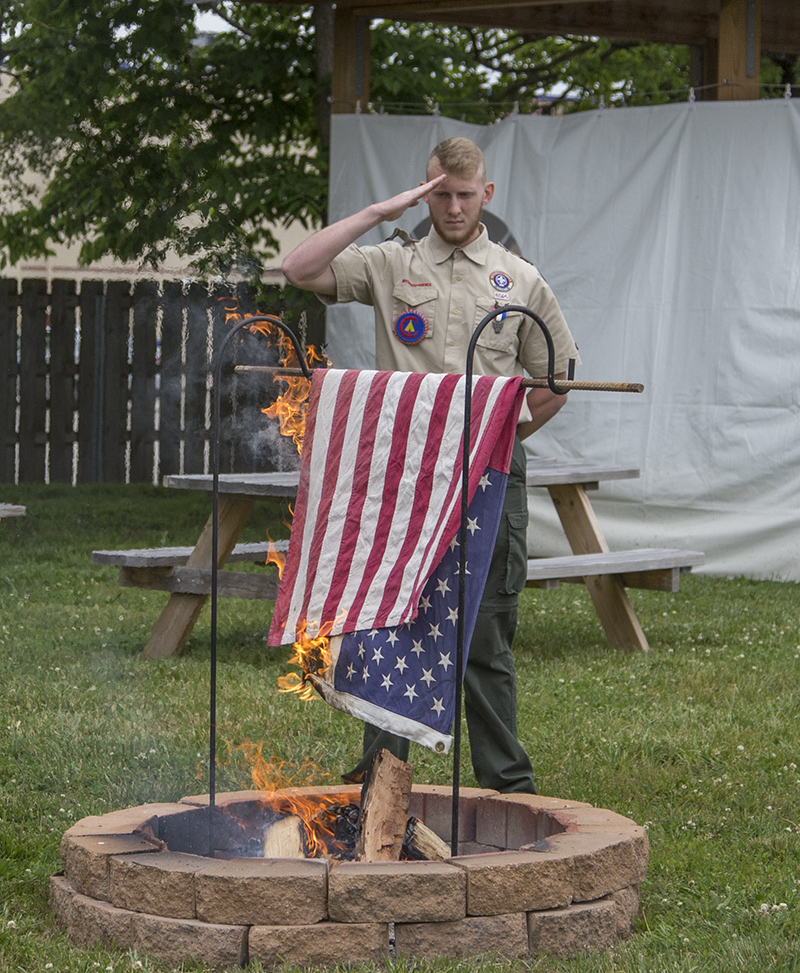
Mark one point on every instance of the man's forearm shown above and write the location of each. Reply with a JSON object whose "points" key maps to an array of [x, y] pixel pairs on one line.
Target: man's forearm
{"points": [[543, 405], [309, 265]]}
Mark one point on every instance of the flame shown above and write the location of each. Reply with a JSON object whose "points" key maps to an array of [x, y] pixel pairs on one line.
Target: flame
{"points": [[311, 655], [271, 777], [276, 557]]}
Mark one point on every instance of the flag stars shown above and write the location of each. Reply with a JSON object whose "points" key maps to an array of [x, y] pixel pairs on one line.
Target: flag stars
{"points": [[452, 616], [442, 586], [365, 674], [386, 682], [484, 482], [401, 665], [444, 661], [377, 655], [425, 604], [428, 677], [411, 693], [391, 638], [438, 706], [472, 524], [417, 648], [434, 633], [361, 650], [351, 671]]}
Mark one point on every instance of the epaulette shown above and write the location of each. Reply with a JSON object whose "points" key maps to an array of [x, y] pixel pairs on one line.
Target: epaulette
{"points": [[404, 235]]}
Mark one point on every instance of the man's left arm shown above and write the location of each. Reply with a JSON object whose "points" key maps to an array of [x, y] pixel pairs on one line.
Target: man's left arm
{"points": [[543, 405]]}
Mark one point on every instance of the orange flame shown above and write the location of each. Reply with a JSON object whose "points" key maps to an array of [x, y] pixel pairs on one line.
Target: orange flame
{"points": [[310, 656], [276, 557], [272, 777]]}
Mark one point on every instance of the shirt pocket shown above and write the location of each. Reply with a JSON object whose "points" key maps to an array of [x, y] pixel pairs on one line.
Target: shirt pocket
{"points": [[499, 334], [408, 297]]}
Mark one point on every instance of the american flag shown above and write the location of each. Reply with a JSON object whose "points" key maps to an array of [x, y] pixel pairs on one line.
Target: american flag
{"points": [[379, 500], [403, 679]]}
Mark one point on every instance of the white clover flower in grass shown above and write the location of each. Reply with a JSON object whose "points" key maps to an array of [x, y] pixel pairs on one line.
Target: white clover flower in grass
{"points": [[11, 924]]}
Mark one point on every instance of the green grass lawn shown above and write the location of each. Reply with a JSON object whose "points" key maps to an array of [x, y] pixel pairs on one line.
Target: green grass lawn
{"points": [[698, 739]]}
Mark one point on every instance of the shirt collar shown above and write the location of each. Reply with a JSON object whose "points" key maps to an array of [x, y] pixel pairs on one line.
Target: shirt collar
{"points": [[476, 251]]}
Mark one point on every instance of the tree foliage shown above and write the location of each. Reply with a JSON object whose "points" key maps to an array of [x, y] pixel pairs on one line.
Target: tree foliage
{"points": [[123, 129]]}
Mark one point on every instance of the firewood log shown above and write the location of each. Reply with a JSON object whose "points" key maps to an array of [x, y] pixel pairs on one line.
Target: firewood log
{"points": [[421, 843], [285, 838], [384, 809]]}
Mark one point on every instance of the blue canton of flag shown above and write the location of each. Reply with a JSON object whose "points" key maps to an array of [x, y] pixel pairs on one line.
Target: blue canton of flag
{"points": [[403, 679]]}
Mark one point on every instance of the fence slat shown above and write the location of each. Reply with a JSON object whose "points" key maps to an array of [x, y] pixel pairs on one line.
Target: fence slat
{"points": [[171, 374], [115, 380], [90, 398], [62, 380], [198, 357], [143, 381], [9, 302], [33, 382]]}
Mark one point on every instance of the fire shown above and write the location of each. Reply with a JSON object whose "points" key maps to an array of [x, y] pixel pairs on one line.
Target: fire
{"points": [[310, 656], [276, 557], [319, 814], [291, 405], [290, 409]]}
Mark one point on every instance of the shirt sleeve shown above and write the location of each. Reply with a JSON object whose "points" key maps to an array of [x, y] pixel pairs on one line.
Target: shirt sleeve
{"points": [[533, 349], [356, 270]]}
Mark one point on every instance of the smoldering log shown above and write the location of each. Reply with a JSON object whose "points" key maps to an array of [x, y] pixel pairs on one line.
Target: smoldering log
{"points": [[421, 843]]}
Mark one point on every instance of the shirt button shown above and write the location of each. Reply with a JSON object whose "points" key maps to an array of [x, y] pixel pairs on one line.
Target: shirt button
{"points": [[458, 276], [451, 342], [456, 310]]}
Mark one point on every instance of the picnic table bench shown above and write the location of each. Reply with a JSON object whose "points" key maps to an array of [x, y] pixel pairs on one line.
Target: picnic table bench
{"points": [[12, 510], [186, 572]]}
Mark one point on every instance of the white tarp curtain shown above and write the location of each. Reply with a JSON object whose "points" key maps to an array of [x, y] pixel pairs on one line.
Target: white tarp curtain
{"points": [[671, 237]]}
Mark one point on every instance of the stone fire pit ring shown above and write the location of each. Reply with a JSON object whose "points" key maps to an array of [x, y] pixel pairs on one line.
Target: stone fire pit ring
{"points": [[533, 874]]}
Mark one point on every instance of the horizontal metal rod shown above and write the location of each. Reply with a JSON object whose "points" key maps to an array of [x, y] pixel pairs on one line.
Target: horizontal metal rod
{"points": [[528, 383]]}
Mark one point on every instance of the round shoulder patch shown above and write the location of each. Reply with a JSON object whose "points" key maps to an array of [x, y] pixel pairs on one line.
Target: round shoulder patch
{"points": [[410, 327], [501, 281]]}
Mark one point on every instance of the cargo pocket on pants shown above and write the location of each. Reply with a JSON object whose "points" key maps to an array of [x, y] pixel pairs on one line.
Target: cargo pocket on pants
{"points": [[517, 560]]}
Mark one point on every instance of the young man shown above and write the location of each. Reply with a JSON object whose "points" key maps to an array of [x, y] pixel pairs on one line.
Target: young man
{"points": [[428, 297]]}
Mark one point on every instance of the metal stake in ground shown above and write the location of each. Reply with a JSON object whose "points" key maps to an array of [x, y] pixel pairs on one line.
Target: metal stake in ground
{"points": [[462, 533], [215, 449]]}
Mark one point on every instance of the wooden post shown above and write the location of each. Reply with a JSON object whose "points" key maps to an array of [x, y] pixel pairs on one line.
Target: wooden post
{"points": [[350, 85], [739, 50]]}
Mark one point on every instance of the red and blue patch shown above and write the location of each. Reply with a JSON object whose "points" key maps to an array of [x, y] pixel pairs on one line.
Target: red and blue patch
{"points": [[410, 327]]}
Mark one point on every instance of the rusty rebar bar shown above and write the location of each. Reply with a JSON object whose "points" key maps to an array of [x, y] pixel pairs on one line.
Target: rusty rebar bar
{"points": [[569, 385]]}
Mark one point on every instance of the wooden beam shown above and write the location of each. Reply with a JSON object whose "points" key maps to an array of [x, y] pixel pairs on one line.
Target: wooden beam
{"points": [[350, 86], [739, 52]]}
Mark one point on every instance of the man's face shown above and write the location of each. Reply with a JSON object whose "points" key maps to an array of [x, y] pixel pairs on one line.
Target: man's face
{"points": [[456, 205]]}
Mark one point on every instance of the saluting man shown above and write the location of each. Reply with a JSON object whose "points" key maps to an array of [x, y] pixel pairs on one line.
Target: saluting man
{"points": [[428, 297]]}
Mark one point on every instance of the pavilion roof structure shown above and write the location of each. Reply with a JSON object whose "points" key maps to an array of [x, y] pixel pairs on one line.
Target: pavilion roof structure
{"points": [[727, 36]]}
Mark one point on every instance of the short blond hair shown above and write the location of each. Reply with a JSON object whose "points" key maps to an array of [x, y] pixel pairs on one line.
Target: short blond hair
{"points": [[458, 157]]}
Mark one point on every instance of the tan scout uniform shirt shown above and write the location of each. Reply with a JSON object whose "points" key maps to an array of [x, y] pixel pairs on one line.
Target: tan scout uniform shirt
{"points": [[454, 288]]}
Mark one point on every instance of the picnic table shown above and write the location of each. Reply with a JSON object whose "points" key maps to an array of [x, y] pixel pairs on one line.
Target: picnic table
{"points": [[185, 572]]}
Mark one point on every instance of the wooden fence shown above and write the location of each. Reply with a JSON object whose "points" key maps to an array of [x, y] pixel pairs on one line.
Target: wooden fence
{"points": [[111, 381]]}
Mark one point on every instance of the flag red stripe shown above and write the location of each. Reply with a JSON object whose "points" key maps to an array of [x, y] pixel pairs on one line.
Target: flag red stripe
{"points": [[358, 494], [395, 470], [422, 489]]}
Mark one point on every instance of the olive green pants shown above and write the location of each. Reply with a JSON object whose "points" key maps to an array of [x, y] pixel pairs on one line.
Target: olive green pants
{"points": [[490, 684]]}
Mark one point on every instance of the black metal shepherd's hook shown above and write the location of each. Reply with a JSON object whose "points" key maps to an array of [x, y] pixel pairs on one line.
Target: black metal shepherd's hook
{"points": [[462, 536], [215, 447]]}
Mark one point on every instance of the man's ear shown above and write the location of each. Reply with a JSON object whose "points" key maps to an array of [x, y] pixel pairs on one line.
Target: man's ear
{"points": [[488, 192]]}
